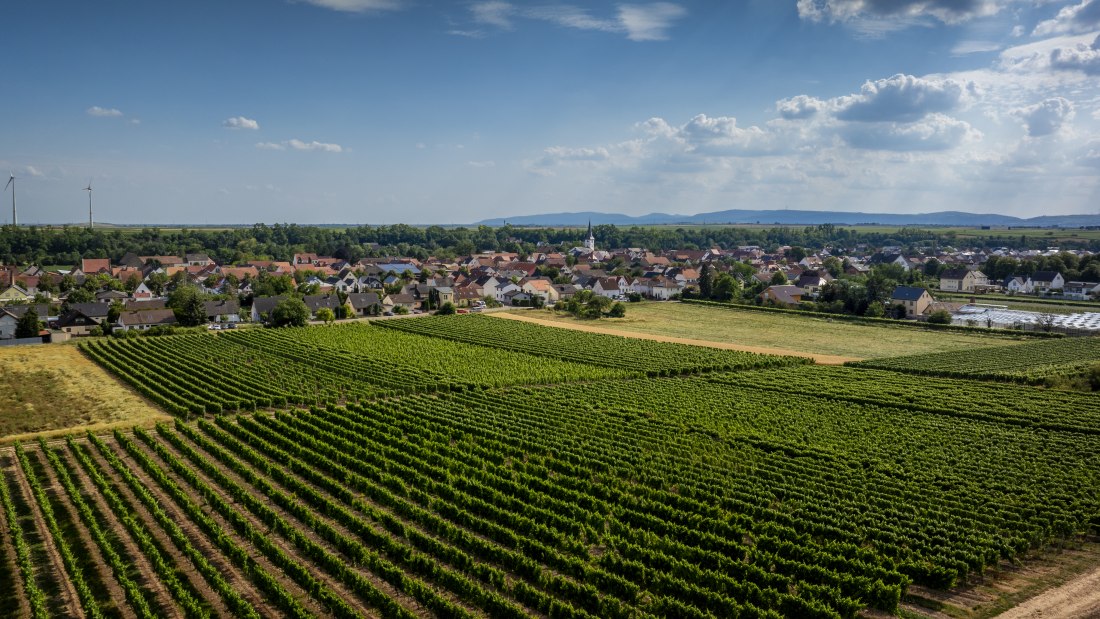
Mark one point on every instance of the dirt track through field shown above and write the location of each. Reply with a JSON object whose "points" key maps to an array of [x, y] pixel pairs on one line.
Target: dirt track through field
{"points": [[1077, 599], [821, 359]]}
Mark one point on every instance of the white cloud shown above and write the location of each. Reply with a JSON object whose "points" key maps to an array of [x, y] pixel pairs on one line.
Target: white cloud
{"points": [[493, 13], [135, 121], [1074, 19], [240, 122], [358, 6], [894, 14], [314, 145], [33, 171], [935, 132], [903, 98], [270, 146], [481, 164], [639, 22], [103, 112], [800, 106], [1080, 57], [649, 22], [963, 48], [1046, 118]]}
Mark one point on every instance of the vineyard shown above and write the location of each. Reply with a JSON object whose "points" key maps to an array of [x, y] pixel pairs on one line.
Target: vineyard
{"points": [[650, 358], [398, 475], [1028, 363]]}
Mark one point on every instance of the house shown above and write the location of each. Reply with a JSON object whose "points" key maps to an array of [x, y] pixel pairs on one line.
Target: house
{"points": [[543, 288], [316, 302], [884, 258], [962, 280], [811, 282], [225, 310], [94, 266], [141, 320], [10, 315], [445, 294], [15, 294], [1017, 284], [142, 292], [609, 287], [145, 304], [110, 296], [664, 288], [516, 298], [916, 300], [788, 295], [393, 301], [1044, 281], [82, 318], [364, 303], [198, 260], [262, 306], [1082, 291]]}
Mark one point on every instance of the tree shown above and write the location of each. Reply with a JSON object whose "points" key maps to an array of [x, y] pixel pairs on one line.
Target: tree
{"points": [[157, 282], [726, 287], [79, 295], [114, 311], [290, 312], [446, 309], [188, 304], [326, 315], [28, 325], [618, 310], [778, 279], [940, 317], [875, 310], [796, 253], [706, 281]]}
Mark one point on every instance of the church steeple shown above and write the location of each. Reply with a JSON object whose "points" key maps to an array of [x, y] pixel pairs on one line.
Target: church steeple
{"points": [[590, 242]]}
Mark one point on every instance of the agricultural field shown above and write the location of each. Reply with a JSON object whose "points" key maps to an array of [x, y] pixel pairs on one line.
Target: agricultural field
{"points": [[647, 357], [398, 474], [798, 334], [54, 389], [1032, 362]]}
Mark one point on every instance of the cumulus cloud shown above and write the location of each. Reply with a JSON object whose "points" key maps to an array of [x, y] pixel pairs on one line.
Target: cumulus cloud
{"points": [[639, 22], [721, 136], [240, 122], [798, 107], [357, 6], [1047, 117], [1080, 57], [935, 132], [903, 98], [900, 12], [103, 112], [1072, 19]]}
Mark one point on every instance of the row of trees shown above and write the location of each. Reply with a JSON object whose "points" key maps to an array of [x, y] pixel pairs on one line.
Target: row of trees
{"points": [[67, 245]]}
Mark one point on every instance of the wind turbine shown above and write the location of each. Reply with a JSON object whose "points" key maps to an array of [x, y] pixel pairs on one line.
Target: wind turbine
{"points": [[11, 181], [89, 190]]}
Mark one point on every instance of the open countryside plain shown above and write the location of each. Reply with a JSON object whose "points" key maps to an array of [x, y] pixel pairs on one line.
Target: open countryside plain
{"points": [[470, 466]]}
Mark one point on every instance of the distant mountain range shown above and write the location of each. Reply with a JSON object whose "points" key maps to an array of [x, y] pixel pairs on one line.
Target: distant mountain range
{"points": [[785, 217]]}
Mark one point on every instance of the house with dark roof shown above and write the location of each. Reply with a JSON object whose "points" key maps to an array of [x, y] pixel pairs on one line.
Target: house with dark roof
{"points": [[262, 306], [223, 310], [884, 258], [365, 303], [81, 318], [915, 300], [10, 315], [142, 320], [962, 280], [317, 301], [1044, 281]]}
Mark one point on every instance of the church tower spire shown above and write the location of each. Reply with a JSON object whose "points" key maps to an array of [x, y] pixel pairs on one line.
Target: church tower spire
{"points": [[590, 242]]}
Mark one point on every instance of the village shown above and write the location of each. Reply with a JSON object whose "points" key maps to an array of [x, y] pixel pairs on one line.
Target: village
{"points": [[100, 296]]}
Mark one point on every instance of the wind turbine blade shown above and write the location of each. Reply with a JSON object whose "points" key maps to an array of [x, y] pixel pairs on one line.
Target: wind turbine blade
{"points": [[10, 181]]}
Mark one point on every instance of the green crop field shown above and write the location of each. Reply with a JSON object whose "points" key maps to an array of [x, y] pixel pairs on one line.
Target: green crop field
{"points": [[471, 467]]}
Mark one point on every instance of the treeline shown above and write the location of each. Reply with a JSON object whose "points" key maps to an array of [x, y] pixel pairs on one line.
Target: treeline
{"points": [[46, 245]]}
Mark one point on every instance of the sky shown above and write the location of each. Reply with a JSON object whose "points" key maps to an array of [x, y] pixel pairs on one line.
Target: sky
{"points": [[430, 112]]}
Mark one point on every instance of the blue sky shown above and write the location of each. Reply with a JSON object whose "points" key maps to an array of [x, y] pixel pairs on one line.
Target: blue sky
{"points": [[384, 111]]}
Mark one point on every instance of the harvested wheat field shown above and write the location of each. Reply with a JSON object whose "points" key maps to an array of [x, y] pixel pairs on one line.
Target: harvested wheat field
{"points": [[54, 389]]}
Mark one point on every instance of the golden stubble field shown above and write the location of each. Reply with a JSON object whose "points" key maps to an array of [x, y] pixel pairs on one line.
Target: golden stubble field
{"points": [[53, 389]]}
